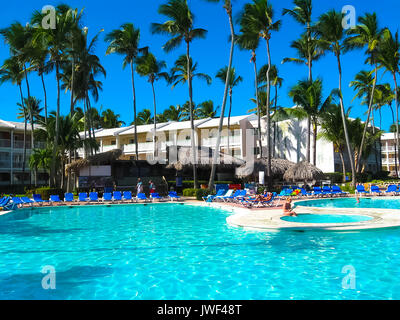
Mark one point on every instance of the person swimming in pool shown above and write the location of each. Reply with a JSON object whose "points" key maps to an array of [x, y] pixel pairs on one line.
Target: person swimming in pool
{"points": [[287, 208]]}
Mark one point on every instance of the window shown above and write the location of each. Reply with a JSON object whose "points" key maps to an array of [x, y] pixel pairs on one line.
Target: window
{"points": [[187, 137], [113, 142], [131, 141]]}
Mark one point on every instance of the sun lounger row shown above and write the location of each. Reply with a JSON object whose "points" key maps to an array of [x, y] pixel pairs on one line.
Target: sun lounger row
{"points": [[317, 192], [92, 197]]}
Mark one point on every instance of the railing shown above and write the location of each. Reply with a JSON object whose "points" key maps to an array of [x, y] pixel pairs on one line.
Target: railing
{"points": [[4, 143], [18, 165], [20, 144], [109, 148], [390, 161], [184, 143], [5, 164], [233, 140]]}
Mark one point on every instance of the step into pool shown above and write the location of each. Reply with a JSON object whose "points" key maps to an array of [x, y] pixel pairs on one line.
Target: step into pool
{"points": [[326, 218]]}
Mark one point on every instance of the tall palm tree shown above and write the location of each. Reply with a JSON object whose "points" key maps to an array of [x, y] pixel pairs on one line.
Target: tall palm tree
{"points": [[148, 66], [258, 17], [366, 34], [180, 28], [308, 96], [206, 109], [389, 58], [179, 73], [227, 5], [234, 81], [56, 41], [249, 40], [40, 159], [125, 41], [330, 31], [332, 130], [174, 113]]}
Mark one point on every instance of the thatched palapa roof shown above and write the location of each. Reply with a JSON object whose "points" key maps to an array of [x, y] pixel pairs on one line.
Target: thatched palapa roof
{"points": [[303, 171], [97, 159], [205, 159], [278, 168]]}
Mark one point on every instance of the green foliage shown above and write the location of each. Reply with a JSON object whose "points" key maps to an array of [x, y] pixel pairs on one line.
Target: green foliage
{"points": [[189, 192], [348, 188], [200, 193], [46, 192], [335, 177]]}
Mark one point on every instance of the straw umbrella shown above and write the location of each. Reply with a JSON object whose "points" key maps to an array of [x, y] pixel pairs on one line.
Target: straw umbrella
{"points": [[303, 171], [278, 168]]}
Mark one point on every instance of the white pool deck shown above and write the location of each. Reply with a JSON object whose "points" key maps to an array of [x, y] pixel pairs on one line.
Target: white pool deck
{"points": [[271, 219]]}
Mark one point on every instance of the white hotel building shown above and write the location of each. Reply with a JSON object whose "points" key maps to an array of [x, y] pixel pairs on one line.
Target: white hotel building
{"points": [[290, 140], [389, 153]]}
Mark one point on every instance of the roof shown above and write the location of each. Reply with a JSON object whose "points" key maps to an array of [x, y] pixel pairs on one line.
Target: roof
{"points": [[143, 128], [173, 126], [233, 121], [13, 125]]}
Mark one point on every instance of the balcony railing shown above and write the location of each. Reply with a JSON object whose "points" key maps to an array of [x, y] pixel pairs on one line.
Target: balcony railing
{"points": [[388, 149], [390, 161], [20, 144], [5, 164], [233, 140], [18, 165], [4, 143]]}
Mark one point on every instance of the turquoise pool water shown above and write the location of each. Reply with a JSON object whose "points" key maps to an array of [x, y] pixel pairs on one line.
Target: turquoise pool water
{"points": [[384, 203], [325, 218], [173, 251]]}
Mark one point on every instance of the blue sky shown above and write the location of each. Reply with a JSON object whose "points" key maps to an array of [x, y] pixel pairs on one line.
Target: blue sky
{"points": [[210, 53]]}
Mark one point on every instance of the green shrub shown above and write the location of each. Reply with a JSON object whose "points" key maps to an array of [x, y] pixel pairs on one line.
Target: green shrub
{"points": [[46, 192], [335, 177], [348, 188], [200, 193], [189, 192]]}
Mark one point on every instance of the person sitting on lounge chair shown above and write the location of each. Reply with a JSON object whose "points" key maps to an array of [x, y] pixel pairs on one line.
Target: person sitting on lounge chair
{"points": [[287, 208]]}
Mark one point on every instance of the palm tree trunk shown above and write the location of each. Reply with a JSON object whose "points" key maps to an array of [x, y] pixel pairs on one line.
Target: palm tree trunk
{"points": [[308, 152], [57, 129], [193, 136], [30, 113], [228, 8], [268, 118], [343, 166], [24, 154], [310, 78], [395, 147], [315, 131], [229, 119], [134, 110], [45, 98], [258, 103], [155, 121], [371, 100], [274, 122], [346, 134], [397, 112]]}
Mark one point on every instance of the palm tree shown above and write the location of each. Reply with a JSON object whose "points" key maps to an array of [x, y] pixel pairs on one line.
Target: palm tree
{"points": [[206, 109], [144, 117], [125, 41], [249, 40], [332, 130], [308, 96], [330, 31], [389, 58], [366, 34], [180, 27], [227, 5], [40, 159], [109, 119], [234, 81], [56, 41], [148, 66], [179, 72], [174, 113], [258, 17]]}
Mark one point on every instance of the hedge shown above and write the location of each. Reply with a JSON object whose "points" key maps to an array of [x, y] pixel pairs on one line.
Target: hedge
{"points": [[46, 192], [189, 192], [200, 193]]}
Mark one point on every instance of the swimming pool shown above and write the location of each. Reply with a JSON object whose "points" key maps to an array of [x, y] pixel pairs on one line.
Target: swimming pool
{"points": [[383, 203], [326, 218], [172, 251]]}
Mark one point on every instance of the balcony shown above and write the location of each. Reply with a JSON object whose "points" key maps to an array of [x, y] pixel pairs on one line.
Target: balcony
{"points": [[4, 143], [5, 164], [388, 149], [390, 161], [20, 144], [18, 165], [211, 142], [108, 148]]}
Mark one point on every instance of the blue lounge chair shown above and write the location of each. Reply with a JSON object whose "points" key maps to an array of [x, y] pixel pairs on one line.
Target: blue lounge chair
{"points": [[128, 196], [360, 189], [173, 195], [326, 190], [337, 191], [233, 196], [55, 199], [241, 196], [68, 197], [38, 199], [93, 197], [17, 201], [7, 204], [83, 197], [228, 193], [117, 195], [107, 196], [26, 200], [305, 193], [211, 197], [391, 189], [141, 196], [375, 189], [155, 195]]}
